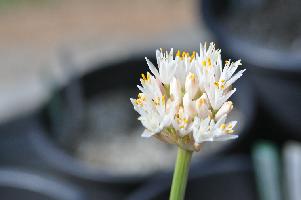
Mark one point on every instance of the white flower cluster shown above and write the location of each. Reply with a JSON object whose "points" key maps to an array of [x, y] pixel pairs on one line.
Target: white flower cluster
{"points": [[184, 101]]}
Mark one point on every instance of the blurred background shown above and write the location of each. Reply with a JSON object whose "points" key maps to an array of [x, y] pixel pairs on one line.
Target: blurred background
{"points": [[69, 67]]}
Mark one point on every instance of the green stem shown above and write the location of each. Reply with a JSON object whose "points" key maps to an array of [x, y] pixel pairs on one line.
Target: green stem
{"points": [[180, 175]]}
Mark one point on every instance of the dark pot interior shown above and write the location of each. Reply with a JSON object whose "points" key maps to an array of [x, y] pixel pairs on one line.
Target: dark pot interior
{"points": [[276, 73], [219, 178]]}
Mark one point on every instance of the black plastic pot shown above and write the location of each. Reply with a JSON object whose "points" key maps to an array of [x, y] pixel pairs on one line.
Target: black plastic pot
{"points": [[45, 143], [224, 178], [18, 184], [276, 74], [122, 75]]}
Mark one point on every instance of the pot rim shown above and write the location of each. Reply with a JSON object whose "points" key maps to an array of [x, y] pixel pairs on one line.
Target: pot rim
{"points": [[256, 55], [60, 159], [36, 183]]}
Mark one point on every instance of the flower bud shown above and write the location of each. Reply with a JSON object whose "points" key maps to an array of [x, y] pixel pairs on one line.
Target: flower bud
{"points": [[189, 106], [191, 84], [225, 109], [175, 90], [202, 107]]}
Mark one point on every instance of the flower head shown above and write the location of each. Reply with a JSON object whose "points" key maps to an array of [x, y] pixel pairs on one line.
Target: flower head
{"points": [[185, 101]]}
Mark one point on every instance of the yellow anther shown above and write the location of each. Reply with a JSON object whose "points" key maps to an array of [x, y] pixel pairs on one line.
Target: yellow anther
{"points": [[141, 95], [223, 126], [185, 121], [219, 84], [202, 101], [209, 62], [185, 54], [140, 100], [163, 99], [182, 126], [216, 84], [191, 76], [178, 53], [229, 131], [193, 55], [204, 63], [147, 77]]}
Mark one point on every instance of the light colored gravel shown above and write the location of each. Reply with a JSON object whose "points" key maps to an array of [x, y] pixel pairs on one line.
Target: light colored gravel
{"points": [[111, 141]]}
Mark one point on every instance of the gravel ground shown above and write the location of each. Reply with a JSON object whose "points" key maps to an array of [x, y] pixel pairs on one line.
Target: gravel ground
{"points": [[111, 140]]}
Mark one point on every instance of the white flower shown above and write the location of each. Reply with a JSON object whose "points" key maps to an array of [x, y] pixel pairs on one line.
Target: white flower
{"points": [[208, 130], [175, 91], [225, 109], [185, 99], [167, 66], [203, 107]]}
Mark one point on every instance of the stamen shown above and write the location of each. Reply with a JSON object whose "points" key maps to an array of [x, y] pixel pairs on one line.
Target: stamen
{"points": [[216, 84], [147, 77], [209, 62], [202, 101], [223, 126], [183, 54], [140, 100], [193, 55], [192, 76], [229, 131], [163, 99], [219, 84]]}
